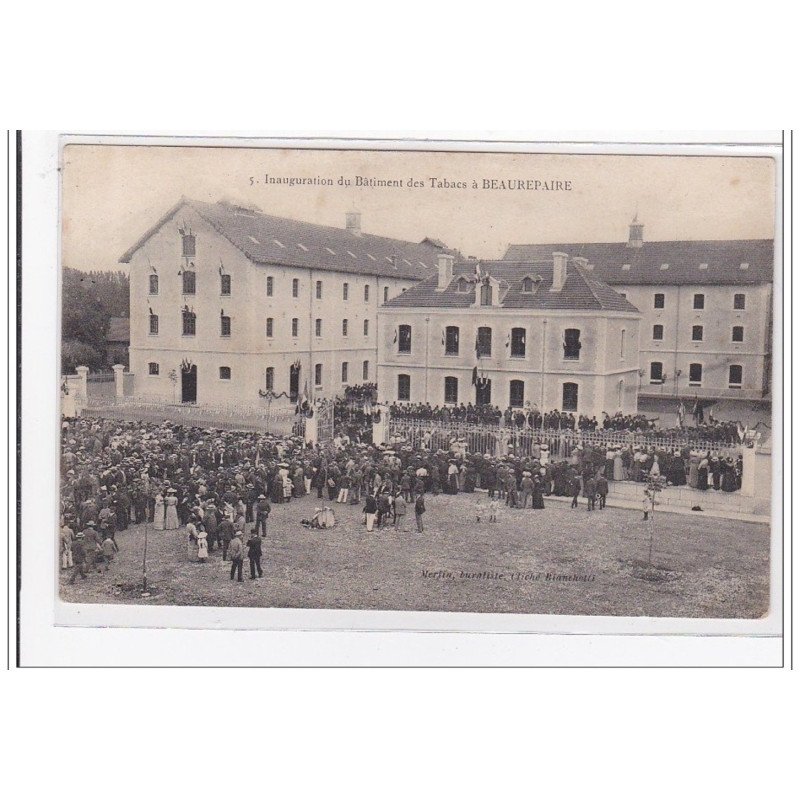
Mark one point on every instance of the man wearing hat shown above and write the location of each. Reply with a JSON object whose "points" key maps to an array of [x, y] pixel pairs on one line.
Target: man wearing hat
{"points": [[236, 551], [263, 509], [78, 557], [91, 544]]}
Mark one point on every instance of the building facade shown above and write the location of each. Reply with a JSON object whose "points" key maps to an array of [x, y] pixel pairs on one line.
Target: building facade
{"points": [[229, 305], [706, 310], [542, 334]]}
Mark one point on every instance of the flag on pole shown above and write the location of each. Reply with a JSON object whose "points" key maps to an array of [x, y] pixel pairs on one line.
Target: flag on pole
{"points": [[474, 376], [394, 341]]}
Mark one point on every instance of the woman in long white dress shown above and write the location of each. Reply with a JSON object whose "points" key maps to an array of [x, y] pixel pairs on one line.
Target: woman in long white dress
{"points": [[171, 518], [158, 512]]}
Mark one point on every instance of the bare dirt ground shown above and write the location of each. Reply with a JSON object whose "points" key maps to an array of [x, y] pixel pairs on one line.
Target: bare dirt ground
{"points": [[555, 561]]}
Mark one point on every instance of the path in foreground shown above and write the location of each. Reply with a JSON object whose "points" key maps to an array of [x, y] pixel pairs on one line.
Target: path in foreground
{"points": [[706, 567]]}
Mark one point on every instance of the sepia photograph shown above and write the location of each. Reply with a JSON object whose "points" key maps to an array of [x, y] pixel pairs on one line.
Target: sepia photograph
{"points": [[532, 383]]}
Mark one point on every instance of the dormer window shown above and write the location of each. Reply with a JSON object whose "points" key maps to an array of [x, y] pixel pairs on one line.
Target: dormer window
{"points": [[486, 294], [462, 286]]}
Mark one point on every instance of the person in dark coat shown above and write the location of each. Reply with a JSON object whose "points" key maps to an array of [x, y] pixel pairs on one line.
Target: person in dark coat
{"points": [[224, 535], [263, 510], [78, 558], [574, 485], [538, 492], [254, 554], [590, 493], [602, 489], [419, 510]]}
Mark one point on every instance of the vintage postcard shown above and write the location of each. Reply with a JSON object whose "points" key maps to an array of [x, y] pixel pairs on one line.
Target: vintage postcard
{"points": [[420, 379]]}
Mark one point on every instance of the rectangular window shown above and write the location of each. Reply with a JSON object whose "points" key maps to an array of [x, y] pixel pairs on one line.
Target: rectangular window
{"points": [[572, 344], [189, 245], [404, 339], [317, 374], [270, 285], [295, 287], [189, 323], [345, 290], [699, 302], [269, 327], [152, 368], [403, 387], [517, 394], [366, 293], [366, 327], [697, 333], [270, 379], [737, 334], [656, 372], [695, 374], [295, 326], [451, 390], [318, 327], [518, 343], [344, 327], [484, 344], [344, 371], [225, 284], [154, 324], [224, 373], [189, 283], [451, 337], [735, 376], [319, 290], [154, 284], [486, 294], [365, 371], [738, 302], [224, 326], [658, 333], [658, 300], [622, 344], [385, 293]]}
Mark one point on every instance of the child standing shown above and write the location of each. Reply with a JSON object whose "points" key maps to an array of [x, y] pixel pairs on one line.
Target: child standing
{"points": [[646, 504], [494, 505]]}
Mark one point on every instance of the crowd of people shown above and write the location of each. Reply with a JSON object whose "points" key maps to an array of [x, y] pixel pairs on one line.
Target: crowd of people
{"points": [[530, 418], [220, 486]]}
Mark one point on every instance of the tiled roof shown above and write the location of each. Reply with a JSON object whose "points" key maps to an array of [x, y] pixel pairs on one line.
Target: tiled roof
{"points": [[119, 329], [645, 265], [581, 291], [266, 239]]}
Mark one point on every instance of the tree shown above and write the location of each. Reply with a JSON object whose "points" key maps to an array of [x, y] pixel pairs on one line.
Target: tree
{"points": [[89, 300]]}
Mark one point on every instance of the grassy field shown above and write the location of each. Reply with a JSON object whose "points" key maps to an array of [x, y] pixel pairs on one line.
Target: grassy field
{"points": [[556, 561]]}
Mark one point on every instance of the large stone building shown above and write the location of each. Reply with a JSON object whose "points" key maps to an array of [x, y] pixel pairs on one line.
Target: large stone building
{"points": [[228, 304], [539, 332], [706, 309]]}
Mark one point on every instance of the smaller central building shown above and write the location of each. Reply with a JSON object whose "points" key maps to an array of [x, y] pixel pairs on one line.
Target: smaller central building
{"points": [[542, 334]]}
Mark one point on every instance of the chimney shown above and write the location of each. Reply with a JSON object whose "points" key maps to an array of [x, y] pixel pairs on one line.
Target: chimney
{"points": [[445, 271], [353, 222], [559, 271], [636, 233]]}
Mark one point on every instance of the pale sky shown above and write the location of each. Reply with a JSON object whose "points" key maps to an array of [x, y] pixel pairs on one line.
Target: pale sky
{"points": [[114, 193]]}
